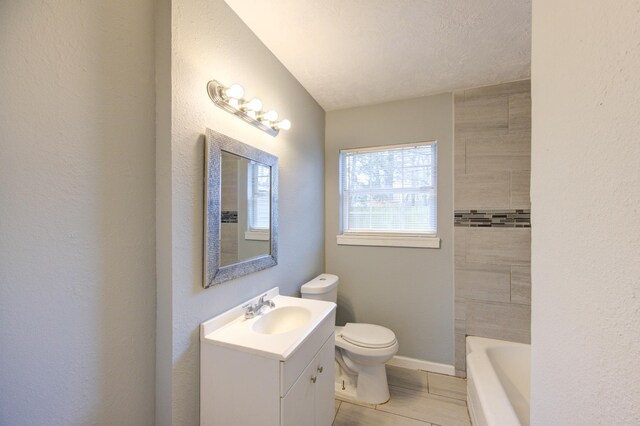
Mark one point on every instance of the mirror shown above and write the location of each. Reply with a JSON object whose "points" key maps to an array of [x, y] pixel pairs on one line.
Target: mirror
{"points": [[241, 192], [245, 194]]}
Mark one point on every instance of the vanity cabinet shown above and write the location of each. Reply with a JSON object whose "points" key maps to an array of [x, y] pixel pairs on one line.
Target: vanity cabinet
{"points": [[246, 386], [312, 395]]}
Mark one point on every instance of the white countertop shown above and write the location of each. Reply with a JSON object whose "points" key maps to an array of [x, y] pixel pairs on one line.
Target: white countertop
{"points": [[232, 330]]}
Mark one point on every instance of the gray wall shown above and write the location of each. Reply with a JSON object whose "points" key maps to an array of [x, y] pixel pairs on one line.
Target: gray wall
{"points": [[585, 193], [492, 172], [77, 224], [408, 290], [208, 41]]}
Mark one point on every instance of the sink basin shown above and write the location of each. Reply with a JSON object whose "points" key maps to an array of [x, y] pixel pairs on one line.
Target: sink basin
{"points": [[277, 333], [282, 320]]}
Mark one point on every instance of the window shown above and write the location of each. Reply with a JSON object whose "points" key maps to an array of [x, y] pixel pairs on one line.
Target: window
{"points": [[259, 198], [388, 195]]}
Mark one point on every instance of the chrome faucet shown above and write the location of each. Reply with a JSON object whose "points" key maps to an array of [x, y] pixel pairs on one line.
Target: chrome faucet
{"points": [[253, 310]]}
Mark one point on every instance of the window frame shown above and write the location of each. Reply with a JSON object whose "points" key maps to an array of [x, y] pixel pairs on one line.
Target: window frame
{"points": [[386, 238]]}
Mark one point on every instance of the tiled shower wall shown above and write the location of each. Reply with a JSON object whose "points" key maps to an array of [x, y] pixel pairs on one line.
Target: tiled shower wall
{"points": [[229, 210], [492, 207]]}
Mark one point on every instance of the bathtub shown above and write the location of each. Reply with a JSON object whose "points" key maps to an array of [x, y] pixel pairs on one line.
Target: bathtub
{"points": [[498, 382]]}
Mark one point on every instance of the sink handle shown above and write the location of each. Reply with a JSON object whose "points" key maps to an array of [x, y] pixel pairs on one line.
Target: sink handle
{"points": [[320, 369], [268, 303], [254, 309]]}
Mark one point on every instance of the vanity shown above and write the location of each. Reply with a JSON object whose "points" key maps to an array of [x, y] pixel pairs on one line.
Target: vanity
{"points": [[269, 365], [270, 360]]}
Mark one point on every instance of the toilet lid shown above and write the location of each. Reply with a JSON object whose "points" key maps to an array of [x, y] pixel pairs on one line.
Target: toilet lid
{"points": [[368, 335]]}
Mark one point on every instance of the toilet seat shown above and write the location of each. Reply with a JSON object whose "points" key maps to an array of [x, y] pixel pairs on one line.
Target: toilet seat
{"points": [[359, 350], [362, 354], [368, 335]]}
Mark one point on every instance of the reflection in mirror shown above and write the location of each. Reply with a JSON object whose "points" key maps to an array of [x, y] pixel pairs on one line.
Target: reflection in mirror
{"points": [[245, 209], [241, 209]]}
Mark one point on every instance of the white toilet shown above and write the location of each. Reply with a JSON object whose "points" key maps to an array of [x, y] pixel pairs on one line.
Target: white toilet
{"points": [[361, 349]]}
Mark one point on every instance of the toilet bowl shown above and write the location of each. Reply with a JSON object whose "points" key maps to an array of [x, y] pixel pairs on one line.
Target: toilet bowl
{"points": [[361, 350], [363, 361]]}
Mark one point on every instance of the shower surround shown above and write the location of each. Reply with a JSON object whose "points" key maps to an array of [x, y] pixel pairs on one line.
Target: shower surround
{"points": [[492, 160]]}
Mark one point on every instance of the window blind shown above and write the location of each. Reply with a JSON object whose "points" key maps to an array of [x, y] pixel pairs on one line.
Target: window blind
{"points": [[389, 189], [259, 196]]}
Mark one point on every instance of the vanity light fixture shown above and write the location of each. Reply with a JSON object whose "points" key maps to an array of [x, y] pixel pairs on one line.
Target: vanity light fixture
{"points": [[231, 100]]}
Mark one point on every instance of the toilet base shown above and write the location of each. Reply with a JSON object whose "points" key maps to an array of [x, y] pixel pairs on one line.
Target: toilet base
{"points": [[370, 386], [347, 394]]}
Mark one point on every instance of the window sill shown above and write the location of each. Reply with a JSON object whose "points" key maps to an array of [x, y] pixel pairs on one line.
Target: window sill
{"points": [[256, 235], [388, 241]]}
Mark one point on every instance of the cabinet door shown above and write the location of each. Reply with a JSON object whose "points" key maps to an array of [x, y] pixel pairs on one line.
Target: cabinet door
{"points": [[325, 394], [297, 407]]}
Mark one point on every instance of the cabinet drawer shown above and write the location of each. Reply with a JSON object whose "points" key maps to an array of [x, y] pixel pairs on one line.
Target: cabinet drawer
{"points": [[291, 369]]}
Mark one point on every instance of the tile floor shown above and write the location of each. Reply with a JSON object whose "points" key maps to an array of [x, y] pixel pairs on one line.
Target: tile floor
{"points": [[418, 398]]}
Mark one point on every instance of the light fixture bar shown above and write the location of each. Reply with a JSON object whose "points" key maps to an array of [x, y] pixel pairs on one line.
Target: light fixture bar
{"points": [[220, 95]]}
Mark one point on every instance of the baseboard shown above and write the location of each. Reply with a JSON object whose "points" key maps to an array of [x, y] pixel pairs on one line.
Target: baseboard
{"points": [[419, 364]]}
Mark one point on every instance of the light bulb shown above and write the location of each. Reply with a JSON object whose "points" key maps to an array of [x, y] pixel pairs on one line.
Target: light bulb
{"points": [[234, 103], [251, 114], [254, 104], [235, 91], [283, 125], [270, 115]]}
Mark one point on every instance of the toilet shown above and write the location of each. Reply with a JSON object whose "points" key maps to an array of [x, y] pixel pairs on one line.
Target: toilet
{"points": [[361, 349]]}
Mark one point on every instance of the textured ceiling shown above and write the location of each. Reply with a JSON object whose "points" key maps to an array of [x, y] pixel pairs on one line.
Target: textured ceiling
{"points": [[360, 52]]}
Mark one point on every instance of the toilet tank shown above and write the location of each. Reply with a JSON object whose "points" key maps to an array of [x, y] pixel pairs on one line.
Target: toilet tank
{"points": [[322, 287]]}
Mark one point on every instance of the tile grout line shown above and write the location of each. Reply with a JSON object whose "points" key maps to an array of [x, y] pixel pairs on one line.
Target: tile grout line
{"points": [[511, 283], [375, 408], [405, 417], [510, 188], [335, 416], [465, 157]]}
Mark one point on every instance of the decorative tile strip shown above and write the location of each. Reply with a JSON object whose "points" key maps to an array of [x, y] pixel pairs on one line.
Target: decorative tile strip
{"points": [[493, 218], [228, 216]]}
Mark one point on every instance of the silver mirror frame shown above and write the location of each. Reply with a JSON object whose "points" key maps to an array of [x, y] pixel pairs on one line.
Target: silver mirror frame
{"points": [[213, 273]]}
